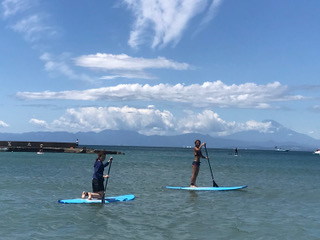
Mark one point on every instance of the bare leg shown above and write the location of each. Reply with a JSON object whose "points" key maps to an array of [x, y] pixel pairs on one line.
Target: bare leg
{"points": [[97, 195], [195, 171]]}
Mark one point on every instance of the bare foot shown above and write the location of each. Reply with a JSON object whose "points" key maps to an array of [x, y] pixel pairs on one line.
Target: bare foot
{"points": [[84, 194], [192, 185], [89, 196]]}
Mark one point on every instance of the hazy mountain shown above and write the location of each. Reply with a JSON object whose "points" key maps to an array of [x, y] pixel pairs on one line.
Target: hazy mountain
{"points": [[279, 136]]}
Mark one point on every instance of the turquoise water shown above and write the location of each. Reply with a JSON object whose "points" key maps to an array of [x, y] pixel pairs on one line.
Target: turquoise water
{"points": [[281, 201]]}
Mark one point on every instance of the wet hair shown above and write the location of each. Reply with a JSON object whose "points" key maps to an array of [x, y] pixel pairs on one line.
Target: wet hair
{"points": [[195, 142]]}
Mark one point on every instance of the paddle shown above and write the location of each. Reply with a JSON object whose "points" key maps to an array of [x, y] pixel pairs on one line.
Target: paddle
{"points": [[105, 187], [214, 183]]}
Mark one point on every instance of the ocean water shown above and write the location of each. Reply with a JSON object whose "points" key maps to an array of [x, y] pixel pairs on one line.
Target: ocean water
{"points": [[281, 201]]}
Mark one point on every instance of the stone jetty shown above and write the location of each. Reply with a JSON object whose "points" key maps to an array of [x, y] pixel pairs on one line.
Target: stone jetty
{"points": [[57, 147]]}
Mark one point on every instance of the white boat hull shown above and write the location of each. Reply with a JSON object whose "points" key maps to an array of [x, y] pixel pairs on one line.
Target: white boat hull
{"points": [[317, 152]]}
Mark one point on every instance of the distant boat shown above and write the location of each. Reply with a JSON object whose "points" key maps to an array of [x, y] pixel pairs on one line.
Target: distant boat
{"points": [[317, 152], [41, 149], [281, 150]]}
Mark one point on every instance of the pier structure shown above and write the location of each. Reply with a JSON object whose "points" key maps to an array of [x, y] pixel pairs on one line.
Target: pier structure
{"points": [[57, 147]]}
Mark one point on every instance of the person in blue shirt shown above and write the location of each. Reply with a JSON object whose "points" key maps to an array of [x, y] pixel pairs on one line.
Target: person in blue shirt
{"points": [[98, 177]]}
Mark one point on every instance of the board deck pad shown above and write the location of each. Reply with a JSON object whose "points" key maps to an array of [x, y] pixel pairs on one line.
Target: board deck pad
{"points": [[123, 198], [208, 188]]}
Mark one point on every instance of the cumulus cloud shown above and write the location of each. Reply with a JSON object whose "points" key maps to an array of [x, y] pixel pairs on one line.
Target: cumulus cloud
{"points": [[209, 94], [210, 122], [38, 122], [165, 19], [148, 121], [145, 120], [3, 124], [207, 119]]}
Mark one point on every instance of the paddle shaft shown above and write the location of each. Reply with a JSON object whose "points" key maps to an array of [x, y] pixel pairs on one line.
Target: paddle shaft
{"points": [[213, 182], [105, 187]]}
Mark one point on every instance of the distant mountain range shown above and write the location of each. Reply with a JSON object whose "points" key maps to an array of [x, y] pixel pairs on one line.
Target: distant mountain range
{"points": [[280, 136]]}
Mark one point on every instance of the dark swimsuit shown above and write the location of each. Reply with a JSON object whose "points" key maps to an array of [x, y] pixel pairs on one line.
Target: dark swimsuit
{"points": [[197, 154], [195, 163]]}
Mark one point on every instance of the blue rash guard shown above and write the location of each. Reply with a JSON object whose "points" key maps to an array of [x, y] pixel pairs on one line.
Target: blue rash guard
{"points": [[98, 170]]}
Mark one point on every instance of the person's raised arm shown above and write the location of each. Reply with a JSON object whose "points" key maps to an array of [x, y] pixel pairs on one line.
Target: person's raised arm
{"points": [[107, 163]]}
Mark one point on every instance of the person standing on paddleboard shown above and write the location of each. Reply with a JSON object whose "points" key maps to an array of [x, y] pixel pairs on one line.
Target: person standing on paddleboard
{"points": [[98, 177], [196, 163]]}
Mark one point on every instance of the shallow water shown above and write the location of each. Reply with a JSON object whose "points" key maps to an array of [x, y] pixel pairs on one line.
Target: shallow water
{"points": [[281, 201]]}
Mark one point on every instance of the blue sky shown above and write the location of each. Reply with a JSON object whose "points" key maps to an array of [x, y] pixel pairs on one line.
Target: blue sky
{"points": [[160, 67]]}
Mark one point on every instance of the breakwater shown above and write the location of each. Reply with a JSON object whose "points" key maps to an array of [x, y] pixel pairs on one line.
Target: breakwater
{"points": [[56, 147]]}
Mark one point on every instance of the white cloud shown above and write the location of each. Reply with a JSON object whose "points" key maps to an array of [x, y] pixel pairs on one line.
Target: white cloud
{"points": [[167, 19], [209, 122], [148, 121], [12, 7], [253, 125], [33, 28], [209, 94], [212, 11], [204, 121], [124, 62], [145, 120], [3, 124], [124, 66], [38, 122], [60, 65], [24, 17]]}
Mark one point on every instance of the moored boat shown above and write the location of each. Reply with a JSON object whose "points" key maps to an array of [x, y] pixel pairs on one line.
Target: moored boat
{"points": [[317, 151], [281, 150]]}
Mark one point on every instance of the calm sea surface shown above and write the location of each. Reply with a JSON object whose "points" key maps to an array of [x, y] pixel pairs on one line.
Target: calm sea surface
{"points": [[281, 201]]}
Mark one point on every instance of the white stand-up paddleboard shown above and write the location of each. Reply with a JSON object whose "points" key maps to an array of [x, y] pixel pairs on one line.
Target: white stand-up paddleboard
{"points": [[208, 188], [95, 200]]}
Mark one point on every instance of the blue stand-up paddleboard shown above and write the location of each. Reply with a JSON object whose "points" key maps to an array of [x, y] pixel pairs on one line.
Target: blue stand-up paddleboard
{"points": [[215, 186], [208, 188], [123, 198]]}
